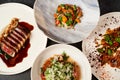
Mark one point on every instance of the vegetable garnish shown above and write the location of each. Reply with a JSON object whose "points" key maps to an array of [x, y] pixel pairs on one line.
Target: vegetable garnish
{"points": [[109, 48], [67, 15], [60, 67]]}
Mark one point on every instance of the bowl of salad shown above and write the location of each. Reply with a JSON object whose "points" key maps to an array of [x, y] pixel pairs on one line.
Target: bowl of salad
{"points": [[61, 62], [65, 21]]}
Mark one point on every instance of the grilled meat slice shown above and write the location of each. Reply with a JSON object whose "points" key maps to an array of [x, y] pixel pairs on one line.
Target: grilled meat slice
{"points": [[14, 36]]}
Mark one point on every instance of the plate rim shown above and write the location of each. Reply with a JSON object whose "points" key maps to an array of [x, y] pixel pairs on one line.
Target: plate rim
{"points": [[58, 41], [31, 10], [58, 46]]}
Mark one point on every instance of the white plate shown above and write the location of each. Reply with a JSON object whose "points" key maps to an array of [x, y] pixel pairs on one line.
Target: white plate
{"points": [[38, 39], [71, 51], [106, 72], [44, 11]]}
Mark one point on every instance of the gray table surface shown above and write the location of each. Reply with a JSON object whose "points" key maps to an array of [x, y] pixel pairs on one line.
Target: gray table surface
{"points": [[106, 6]]}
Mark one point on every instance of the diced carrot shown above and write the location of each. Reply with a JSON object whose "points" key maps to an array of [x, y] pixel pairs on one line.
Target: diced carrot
{"points": [[79, 14], [64, 19], [77, 20], [57, 22], [59, 8], [71, 11], [55, 15], [64, 10]]}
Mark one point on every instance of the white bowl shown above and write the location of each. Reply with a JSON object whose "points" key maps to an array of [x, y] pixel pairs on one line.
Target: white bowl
{"points": [[71, 51], [44, 11]]}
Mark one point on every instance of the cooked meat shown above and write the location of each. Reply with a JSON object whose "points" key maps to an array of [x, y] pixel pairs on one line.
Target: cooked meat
{"points": [[13, 41], [7, 49], [13, 37]]}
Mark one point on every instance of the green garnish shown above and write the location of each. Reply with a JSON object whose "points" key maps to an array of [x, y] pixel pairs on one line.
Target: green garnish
{"points": [[65, 57], [60, 70], [62, 5], [100, 50], [110, 42], [68, 14], [1, 51], [109, 52], [60, 18], [5, 54], [69, 22], [107, 37], [117, 39], [75, 7]]}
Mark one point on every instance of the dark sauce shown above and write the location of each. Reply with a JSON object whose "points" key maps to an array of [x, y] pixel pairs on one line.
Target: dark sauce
{"points": [[26, 25], [22, 53], [18, 57]]}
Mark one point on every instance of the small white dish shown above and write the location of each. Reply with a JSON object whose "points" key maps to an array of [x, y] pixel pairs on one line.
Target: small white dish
{"points": [[71, 51], [38, 40], [44, 15]]}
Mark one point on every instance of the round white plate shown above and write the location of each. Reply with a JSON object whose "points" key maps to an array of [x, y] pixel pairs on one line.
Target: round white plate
{"points": [[38, 40], [105, 72], [44, 11], [71, 51]]}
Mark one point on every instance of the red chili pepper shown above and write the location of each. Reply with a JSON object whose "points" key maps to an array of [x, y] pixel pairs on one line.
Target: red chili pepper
{"points": [[57, 22], [116, 44]]}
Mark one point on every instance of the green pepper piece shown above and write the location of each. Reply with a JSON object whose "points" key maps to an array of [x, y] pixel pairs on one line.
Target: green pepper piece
{"points": [[74, 7], [60, 18], [69, 22], [100, 50], [62, 5], [68, 14], [110, 42], [107, 37], [65, 57], [117, 39], [109, 51], [1, 51], [66, 7]]}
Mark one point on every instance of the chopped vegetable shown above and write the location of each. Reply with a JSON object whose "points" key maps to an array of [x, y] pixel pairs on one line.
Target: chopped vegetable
{"points": [[117, 39], [100, 50], [109, 52], [109, 48], [110, 42], [107, 37], [68, 15], [64, 19], [60, 18], [69, 22], [59, 68]]}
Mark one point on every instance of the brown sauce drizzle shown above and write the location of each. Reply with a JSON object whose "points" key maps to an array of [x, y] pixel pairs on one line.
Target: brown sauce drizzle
{"points": [[18, 57], [23, 52]]}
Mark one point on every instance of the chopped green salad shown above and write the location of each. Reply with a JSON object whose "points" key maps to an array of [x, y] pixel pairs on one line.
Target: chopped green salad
{"points": [[59, 69]]}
